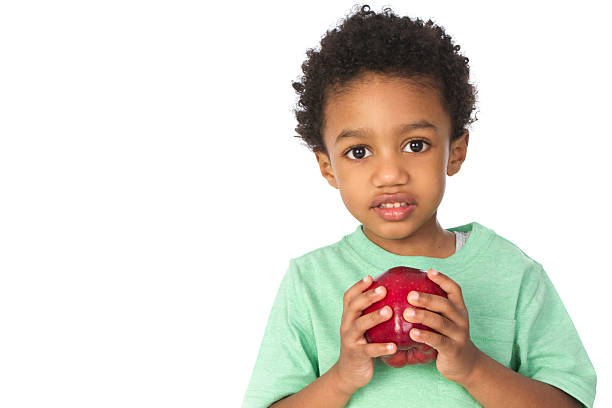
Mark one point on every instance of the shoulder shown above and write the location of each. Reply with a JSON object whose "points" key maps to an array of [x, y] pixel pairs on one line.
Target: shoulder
{"points": [[326, 256], [497, 274], [504, 251], [320, 253], [326, 271], [506, 265]]}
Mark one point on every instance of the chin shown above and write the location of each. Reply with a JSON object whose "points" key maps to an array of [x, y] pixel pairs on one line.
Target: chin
{"points": [[406, 227], [391, 230]]}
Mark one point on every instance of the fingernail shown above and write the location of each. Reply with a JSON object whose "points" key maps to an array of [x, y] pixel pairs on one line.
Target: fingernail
{"points": [[434, 272], [384, 311], [379, 290], [410, 312], [413, 295]]}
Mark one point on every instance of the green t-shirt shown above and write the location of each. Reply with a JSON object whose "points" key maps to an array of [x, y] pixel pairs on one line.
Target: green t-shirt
{"points": [[515, 317]]}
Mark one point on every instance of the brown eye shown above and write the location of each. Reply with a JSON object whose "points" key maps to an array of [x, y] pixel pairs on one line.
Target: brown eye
{"points": [[359, 152], [418, 145]]}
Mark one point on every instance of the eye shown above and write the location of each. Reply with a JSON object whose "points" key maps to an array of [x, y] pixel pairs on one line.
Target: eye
{"points": [[418, 144], [360, 152]]}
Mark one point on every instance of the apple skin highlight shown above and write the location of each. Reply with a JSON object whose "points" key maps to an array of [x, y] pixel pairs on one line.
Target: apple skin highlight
{"points": [[399, 281]]}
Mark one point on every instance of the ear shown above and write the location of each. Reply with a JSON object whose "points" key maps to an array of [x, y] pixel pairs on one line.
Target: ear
{"points": [[326, 168], [458, 152]]}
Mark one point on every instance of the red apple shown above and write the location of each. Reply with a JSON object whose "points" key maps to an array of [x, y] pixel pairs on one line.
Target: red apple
{"points": [[400, 281]]}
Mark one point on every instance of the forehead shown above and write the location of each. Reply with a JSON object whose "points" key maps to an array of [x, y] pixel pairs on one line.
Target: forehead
{"points": [[416, 82], [382, 103]]}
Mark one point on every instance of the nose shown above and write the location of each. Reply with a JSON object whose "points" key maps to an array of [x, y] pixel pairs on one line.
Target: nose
{"points": [[390, 170]]}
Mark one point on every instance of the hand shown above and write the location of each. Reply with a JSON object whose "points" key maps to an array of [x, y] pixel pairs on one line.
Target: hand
{"points": [[355, 365], [457, 355]]}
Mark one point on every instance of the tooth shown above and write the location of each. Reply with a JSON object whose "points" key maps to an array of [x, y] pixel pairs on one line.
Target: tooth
{"points": [[393, 205]]}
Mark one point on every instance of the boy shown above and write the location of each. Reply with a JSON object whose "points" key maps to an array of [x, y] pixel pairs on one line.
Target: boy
{"points": [[384, 105]]}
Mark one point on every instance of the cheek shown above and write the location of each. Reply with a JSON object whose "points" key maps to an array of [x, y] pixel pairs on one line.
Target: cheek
{"points": [[348, 177], [438, 170], [432, 182], [352, 193]]}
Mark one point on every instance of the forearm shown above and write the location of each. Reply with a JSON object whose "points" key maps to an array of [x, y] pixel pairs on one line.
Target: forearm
{"points": [[494, 385], [322, 392]]}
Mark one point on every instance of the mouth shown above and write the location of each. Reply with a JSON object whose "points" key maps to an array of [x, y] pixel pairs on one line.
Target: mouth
{"points": [[395, 211], [393, 205], [394, 200]]}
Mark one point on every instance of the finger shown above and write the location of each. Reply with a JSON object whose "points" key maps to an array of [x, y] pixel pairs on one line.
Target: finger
{"points": [[452, 288], [438, 341], [439, 305], [367, 321], [355, 290], [434, 321], [379, 349], [363, 300]]}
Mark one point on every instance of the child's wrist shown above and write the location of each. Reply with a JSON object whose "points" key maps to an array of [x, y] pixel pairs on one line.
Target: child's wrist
{"points": [[476, 373], [339, 384]]}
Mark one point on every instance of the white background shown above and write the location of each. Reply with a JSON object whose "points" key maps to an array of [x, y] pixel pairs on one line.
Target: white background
{"points": [[152, 192]]}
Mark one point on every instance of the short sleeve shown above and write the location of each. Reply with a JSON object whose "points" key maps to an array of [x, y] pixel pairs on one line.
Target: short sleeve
{"points": [[548, 346], [286, 362]]}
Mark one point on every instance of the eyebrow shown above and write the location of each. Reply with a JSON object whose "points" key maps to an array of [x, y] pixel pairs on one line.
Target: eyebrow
{"points": [[363, 133]]}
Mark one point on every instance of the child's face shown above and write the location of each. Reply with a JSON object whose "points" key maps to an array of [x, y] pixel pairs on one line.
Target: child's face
{"points": [[389, 160]]}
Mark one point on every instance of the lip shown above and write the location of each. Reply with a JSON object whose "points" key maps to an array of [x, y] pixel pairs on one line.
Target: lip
{"points": [[393, 198], [395, 213]]}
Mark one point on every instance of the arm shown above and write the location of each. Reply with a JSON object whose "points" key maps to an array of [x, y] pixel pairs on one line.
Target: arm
{"points": [[495, 385], [325, 391], [355, 366], [492, 384]]}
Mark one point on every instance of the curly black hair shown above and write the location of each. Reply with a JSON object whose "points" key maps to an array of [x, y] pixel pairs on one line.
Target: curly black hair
{"points": [[387, 44]]}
